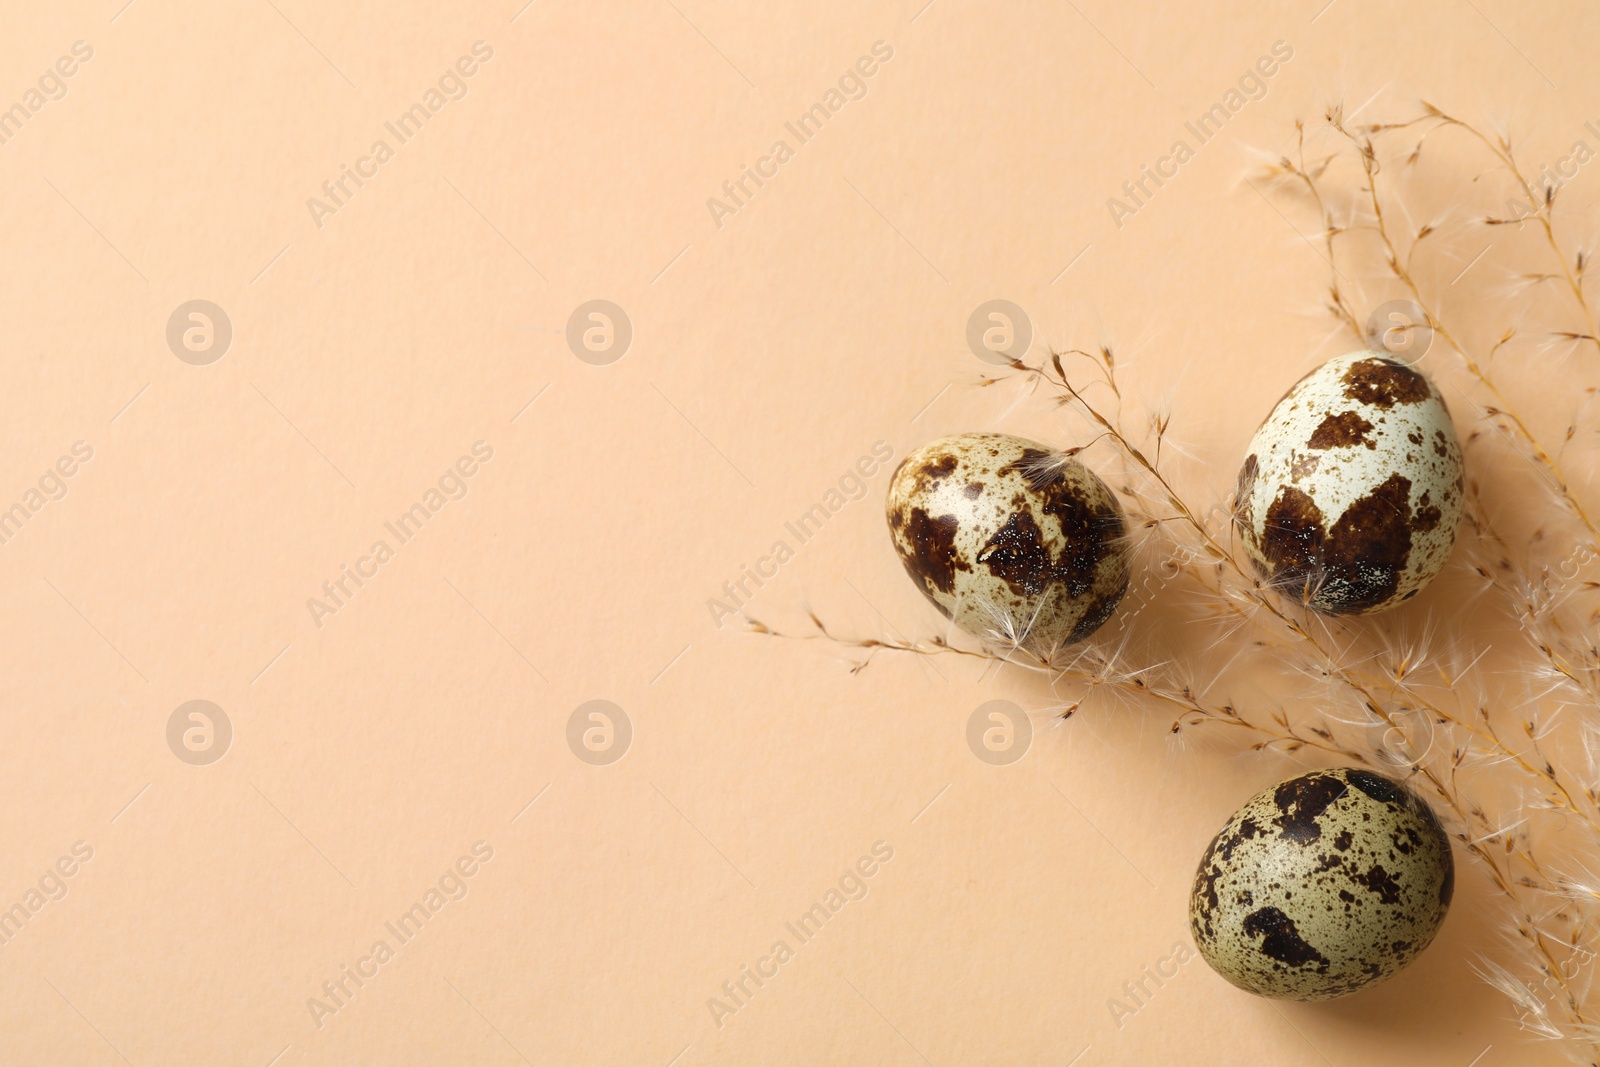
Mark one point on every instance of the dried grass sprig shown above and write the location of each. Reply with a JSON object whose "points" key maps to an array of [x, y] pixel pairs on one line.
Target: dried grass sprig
{"points": [[1362, 141]]}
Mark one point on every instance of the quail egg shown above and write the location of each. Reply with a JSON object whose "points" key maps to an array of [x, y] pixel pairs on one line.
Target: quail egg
{"points": [[1016, 542], [1321, 886], [1350, 495]]}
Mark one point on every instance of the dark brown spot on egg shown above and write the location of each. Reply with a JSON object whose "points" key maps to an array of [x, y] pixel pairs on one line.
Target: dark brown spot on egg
{"points": [[1441, 444], [1342, 840], [1292, 539], [933, 472], [1091, 528], [1428, 513], [1096, 614], [1344, 430], [1017, 555], [1384, 383], [924, 473], [1370, 546], [1351, 566], [1303, 465], [1281, 939], [1041, 469], [1247, 830], [1384, 790], [897, 519], [932, 560], [1301, 802], [1379, 881], [1205, 889]]}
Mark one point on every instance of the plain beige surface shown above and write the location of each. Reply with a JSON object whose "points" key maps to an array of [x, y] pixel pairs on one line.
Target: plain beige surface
{"points": [[375, 746]]}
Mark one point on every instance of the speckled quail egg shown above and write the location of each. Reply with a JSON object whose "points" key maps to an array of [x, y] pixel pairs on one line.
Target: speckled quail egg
{"points": [[1350, 496], [1016, 542], [1321, 886]]}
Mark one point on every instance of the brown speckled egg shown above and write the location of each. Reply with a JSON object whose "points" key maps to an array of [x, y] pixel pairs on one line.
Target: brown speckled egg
{"points": [[1351, 493], [1321, 886], [1016, 542]]}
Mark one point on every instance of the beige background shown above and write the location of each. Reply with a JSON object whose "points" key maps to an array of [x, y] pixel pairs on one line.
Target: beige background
{"points": [[768, 354]]}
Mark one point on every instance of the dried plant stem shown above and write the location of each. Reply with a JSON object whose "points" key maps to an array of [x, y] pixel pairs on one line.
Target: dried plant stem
{"points": [[1308, 176], [1500, 148], [1191, 710]]}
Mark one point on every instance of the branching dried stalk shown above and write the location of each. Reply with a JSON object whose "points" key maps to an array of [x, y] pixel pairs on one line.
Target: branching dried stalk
{"points": [[1515, 773]]}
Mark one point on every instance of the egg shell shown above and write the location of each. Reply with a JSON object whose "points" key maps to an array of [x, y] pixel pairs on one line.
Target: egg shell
{"points": [[1321, 886], [1351, 494], [1015, 541]]}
